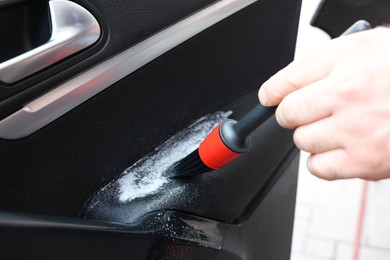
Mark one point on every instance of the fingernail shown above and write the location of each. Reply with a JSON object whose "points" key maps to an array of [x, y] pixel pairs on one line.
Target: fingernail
{"points": [[263, 97]]}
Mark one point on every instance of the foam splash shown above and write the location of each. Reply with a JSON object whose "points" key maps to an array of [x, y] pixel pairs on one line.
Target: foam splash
{"points": [[146, 177]]}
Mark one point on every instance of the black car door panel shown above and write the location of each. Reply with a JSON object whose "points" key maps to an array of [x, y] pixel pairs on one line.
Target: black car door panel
{"points": [[123, 24], [55, 163]]}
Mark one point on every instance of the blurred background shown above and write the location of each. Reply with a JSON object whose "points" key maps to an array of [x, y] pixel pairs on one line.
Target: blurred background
{"points": [[330, 215]]}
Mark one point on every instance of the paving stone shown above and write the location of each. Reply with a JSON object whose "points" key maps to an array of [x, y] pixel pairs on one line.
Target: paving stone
{"points": [[373, 254], [320, 247], [337, 220], [303, 211], [377, 222], [299, 235], [307, 257], [344, 251]]}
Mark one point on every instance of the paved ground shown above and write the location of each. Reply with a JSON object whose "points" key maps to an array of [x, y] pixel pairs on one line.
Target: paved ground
{"points": [[326, 220]]}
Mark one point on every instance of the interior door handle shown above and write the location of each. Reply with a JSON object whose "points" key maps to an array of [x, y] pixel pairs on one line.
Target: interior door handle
{"points": [[73, 29]]}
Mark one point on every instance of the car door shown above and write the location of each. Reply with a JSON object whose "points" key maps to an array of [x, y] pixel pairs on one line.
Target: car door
{"points": [[92, 91]]}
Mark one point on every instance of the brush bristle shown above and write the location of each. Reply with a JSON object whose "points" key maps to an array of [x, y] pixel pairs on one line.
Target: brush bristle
{"points": [[188, 166]]}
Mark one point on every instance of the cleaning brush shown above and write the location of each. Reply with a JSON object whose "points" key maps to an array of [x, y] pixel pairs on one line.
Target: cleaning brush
{"points": [[230, 139]]}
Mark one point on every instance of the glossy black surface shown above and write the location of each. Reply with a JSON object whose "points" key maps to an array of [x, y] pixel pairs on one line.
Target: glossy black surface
{"points": [[271, 145], [123, 24], [333, 16], [55, 170], [244, 211], [265, 235], [25, 26]]}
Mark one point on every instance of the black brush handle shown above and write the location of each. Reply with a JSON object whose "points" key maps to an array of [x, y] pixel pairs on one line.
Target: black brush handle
{"points": [[257, 116], [245, 126]]}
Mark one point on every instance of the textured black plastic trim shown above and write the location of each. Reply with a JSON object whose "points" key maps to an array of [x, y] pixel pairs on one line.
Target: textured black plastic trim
{"points": [[266, 233]]}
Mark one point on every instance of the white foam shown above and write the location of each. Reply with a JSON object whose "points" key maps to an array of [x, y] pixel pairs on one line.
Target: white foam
{"points": [[146, 176]]}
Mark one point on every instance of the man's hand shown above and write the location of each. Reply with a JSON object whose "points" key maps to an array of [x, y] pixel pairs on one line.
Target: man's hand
{"points": [[338, 99]]}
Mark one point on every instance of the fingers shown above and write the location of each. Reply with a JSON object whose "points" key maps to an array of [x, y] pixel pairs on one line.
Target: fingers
{"points": [[300, 73], [318, 137], [337, 164], [306, 105], [332, 165]]}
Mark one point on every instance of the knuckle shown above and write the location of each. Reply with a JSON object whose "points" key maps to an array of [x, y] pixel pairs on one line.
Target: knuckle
{"points": [[351, 87], [370, 161], [292, 78], [366, 157]]}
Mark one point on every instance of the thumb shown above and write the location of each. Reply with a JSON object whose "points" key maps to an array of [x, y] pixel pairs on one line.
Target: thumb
{"points": [[303, 71]]}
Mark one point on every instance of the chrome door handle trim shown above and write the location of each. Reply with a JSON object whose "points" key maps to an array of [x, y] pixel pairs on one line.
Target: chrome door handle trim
{"points": [[73, 29], [72, 93]]}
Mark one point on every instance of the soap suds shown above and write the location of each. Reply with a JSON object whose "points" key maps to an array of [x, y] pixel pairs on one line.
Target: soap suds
{"points": [[146, 177]]}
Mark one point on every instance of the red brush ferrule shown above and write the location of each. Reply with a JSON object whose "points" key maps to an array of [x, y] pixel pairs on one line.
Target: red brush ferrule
{"points": [[214, 153]]}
